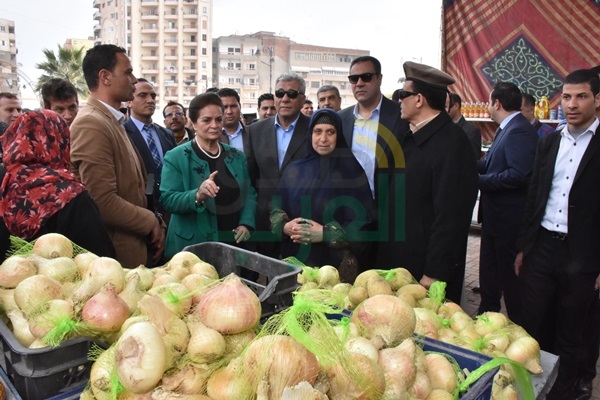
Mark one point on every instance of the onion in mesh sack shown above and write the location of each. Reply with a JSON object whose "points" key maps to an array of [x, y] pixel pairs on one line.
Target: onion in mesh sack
{"points": [[387, 316]]}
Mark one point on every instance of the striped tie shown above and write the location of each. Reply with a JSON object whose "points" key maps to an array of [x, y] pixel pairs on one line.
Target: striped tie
{"points": [[153, 149]]}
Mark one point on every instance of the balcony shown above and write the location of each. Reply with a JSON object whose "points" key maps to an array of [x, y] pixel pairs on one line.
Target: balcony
{"points": [[97, 3], [170, 83], [170, 15], [189, 69], [150, 15], [190, 14], [189, 42], [150, 69], [149, 57], [190, 56], [190, 28], [171, 57], [149, 2], [97, 29], [171, 28], [96, 16], [190, 2], [150, 28], [171, 42], [149, 43]]}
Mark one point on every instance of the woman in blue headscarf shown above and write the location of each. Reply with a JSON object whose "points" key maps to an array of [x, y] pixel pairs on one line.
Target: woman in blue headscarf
{"points": [[326, 207]]}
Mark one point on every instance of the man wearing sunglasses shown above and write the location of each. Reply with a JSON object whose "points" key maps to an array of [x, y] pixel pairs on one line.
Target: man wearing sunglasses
{"points": [[372, 129], [175, 120], [441, 183], [273, 143]]}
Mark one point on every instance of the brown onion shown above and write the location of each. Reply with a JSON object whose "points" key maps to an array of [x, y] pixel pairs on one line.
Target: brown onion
{"points": [[230, 307], [105, 312]]}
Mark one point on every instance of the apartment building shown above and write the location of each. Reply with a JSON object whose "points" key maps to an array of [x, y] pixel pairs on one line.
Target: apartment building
{"points": [[250, 64], [168, 41], [9, 80]]}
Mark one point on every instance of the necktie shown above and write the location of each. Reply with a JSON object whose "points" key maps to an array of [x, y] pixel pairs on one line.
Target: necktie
{"points": [[153, 148]]}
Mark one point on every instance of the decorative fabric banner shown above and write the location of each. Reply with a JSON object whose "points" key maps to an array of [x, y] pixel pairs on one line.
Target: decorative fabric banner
{"points": [[532, 43]]}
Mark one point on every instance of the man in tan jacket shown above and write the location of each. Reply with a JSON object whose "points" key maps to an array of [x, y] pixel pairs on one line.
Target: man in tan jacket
{"points": [[104, 158]]}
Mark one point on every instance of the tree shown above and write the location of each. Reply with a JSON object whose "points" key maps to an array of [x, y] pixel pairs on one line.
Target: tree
{"points": [[67, 64]]}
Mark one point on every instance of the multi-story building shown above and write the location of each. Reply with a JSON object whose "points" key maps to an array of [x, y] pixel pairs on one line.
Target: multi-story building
{"points": [[85, 44], [9, 80], [250, 64], [168, 41]]}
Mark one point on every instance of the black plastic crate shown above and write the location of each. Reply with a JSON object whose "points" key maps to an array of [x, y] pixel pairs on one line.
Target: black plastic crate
{"points": [[471, 360], [51, 371], [276, 280]]}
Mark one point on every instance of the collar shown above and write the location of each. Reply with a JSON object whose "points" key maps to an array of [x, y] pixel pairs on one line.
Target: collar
{"points": [[593, 127], [292, 125], [506, 120], [239, 129], [138, 124], [119, 116], [378, 108], [415, 128]]}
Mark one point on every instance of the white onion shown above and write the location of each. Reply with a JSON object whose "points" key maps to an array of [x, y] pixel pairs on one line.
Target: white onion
{"points": [[204, 268], [83, 261], [370, 384], [205, 345], [14, 269], [63, 269], [105, 312], [526, 350], [146, 276], [386, 316], [441, 372], [36, 291], [141, 357], [101, 271], [132, 292], [53, 245], [176, 297]]}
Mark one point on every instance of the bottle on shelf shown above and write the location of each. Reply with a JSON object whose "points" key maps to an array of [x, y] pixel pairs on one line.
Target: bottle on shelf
{"points": [[560, 114], [545, 107]]}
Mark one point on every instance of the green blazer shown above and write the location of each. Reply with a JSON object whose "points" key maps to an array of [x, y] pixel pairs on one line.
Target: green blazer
{"points": [[182, 173]]}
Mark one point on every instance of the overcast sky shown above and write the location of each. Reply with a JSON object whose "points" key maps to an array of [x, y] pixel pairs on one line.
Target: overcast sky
{"points": [[394, 31]]}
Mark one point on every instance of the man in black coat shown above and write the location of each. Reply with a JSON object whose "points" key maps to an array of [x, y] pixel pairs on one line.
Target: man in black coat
{"points": [[372, 129], [453, 105], [441, 183], [272, 144], [557, 263]]}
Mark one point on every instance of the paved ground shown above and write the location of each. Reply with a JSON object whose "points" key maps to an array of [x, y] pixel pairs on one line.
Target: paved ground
{"points": [[470, 301]]}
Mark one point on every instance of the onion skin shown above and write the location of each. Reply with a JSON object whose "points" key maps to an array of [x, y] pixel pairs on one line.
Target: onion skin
{"points": [[101, 271], [343, 387], [205, 345], [229, 383], [230, 307], [20, 327], [35, 291], [278, 361], [526, 350], [141, 358], [14, 269], [187, 379], [441, 373], [183, 259], [387, 316], [105, 312], [146, 276], [53, 245], [63, 269]]}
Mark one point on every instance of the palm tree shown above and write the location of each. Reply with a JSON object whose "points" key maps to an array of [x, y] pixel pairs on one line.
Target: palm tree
{"points": [[67, 65]]}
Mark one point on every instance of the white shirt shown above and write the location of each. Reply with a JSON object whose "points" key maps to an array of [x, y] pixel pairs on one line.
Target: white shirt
{"points": [[364, 142], [284, 136], [570, 152], [116, 113]]}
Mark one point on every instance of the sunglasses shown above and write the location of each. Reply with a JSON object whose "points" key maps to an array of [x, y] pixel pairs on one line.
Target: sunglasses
{"points": [[366, 77], [174, 114], [292, 94], [403, 94]]}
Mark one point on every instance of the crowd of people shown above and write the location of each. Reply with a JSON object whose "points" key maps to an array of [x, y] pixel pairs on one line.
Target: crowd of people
{"points": [[380, 184]]}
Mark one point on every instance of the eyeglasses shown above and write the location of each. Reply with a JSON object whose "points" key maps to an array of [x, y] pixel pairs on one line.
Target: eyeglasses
{"points": [[174, 114], [366, 77], [403, 94], [292, 94]]}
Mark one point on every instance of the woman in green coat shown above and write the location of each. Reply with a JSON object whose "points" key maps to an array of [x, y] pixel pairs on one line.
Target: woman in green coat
{"points": [[205, 184]]}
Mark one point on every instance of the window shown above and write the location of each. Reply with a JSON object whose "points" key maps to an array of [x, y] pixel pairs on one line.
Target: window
{"points": [[173, 52], [315, 84], [3, 28], [238, 66], [193, 65], [204, 37], [230, 81], [238, 80], [193, 52], [153, 53], [251, 67], [229, 65], [252, 81], [204, 10], [204, 24], [203, 64], [203, 51]]}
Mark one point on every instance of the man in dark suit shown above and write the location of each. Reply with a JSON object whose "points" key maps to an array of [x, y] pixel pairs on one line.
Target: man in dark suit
{"points": [[558, 244], [151, 140], [453, 105], [504, 176], [272, 144], [234, 132], [372, 129], [441, 183]]}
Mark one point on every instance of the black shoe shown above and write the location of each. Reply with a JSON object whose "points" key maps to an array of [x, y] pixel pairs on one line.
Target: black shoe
{"points": [[476, 289], [583, 389]]}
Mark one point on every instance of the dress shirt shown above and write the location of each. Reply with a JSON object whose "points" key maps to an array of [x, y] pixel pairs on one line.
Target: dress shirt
{"points": [[364, 142], [116, 113], [283, 138], [236, 140], [140, 125], [508, 119], [567, 162]]}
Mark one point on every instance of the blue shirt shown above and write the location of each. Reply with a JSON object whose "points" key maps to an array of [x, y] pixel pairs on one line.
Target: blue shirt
{"points": [[140, 125], [283, 138], [236, 140]]}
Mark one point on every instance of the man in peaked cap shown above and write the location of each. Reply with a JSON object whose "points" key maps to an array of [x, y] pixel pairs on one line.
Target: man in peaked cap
{"points": [[441, 183]]}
